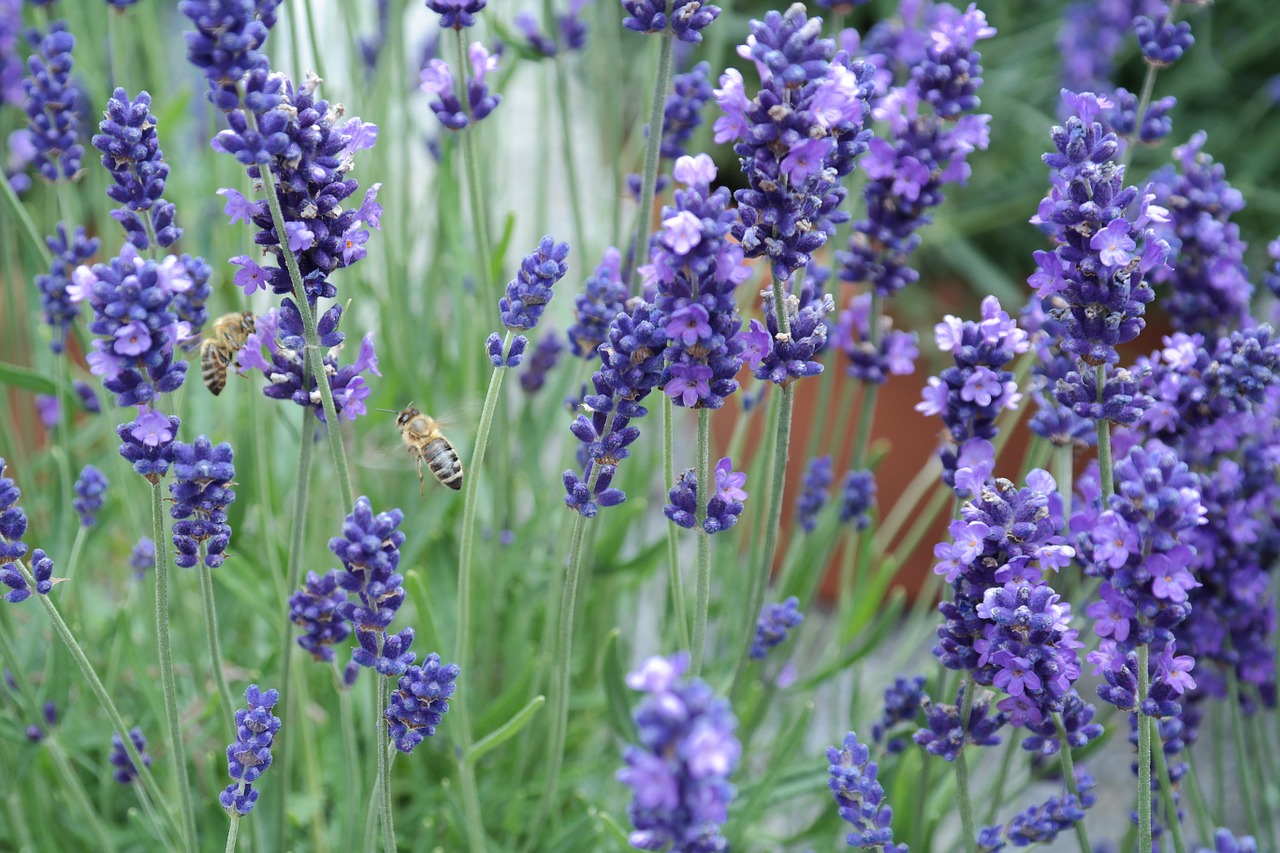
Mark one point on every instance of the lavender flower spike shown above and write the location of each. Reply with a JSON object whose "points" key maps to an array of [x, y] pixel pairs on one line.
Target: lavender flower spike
{"points": [[774, 626], [131, 152], [89, 490], [51, 116], [201, 493], [13, 524], [126, 770], [250, 755], [861, 797], [420, 701], [686, 18]]}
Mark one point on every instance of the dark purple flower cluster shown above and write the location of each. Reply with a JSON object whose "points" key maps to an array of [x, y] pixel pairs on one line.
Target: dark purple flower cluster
{"points": [[902, 703], [682, 113], [1162, 43], [456, 14], [1121, 402], [603, 297], [1105, 236], [35, 733], [125, 770], [679, 772], [686, 18], [774, 626], [50, 106], [1041, 824], [59, 309], [860, 796], [1225, 842], [201, 492], [1271, 278], [545, 356], [227, 42], [138, 327], [530, 291], [945, 735], [142, 558], [815, 489], [309, 153], [146, 442], [11, 65], [1209, 283], [91, 485], [872, 358], [420, 701], [1004, 623], [796, 139], [1052, 420], [249, 755], [723, 507], [1077, 720], [1122, 118], [437, 80], [13, 525], [131, 152], [924, 151], [630, 368], [693, 271], [279, 332], [857, 498], [316, 608], [970, 395], [1138, 544], [780, 356]]}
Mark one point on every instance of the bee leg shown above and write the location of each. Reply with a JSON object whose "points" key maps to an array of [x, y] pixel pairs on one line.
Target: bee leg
{"points": [[422, 484]]}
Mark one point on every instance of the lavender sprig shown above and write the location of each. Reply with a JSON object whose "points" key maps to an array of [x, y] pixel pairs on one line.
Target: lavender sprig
{"points": [[249, 755], [51, 116]]}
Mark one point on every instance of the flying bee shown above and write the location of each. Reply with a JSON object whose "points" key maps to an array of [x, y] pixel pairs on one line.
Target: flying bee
{"points": [[228, 335], [423, 439]]}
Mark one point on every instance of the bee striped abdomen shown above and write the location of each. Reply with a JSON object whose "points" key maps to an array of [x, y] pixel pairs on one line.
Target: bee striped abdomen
{"points": [[443, 461], [213, 367]]}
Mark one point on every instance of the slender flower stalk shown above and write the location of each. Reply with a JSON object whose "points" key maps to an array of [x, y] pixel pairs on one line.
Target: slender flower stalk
{"points": [[653, 144], [703, 604]]}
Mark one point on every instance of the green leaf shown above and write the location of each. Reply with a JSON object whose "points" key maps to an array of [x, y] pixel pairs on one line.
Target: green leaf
{"points": [[504, 243], [26, 378], [614, 829], [506, 731], [755, 797], [615, 690]]}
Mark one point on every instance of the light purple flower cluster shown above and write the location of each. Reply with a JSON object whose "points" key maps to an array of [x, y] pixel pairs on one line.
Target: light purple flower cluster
{"points": [[815, 488], [1155, 125], [146, 443], [317, 608], [279, 334], [860, 796], [543, 361], [924, 151], [682, 115], [50, 106], [870, 361], [437, 80], [131, 152], [125, 770], [723, 507], [1225, 842], [796, 139], [631, 367], [90, 487], [201, 492], [420, 701], [603, 297], [11, 65], [1138, 544], [679, 772], [226, 45], [774, 626], [1092, 34], [693, 271], [970, 395], [136, 318], [1052, 420], [1209, 283], [527, 297], [1042, 823], [1095, 278], [1005, 624], [1162, 43], [572, 30], [857, 498], [143, 557], [13, 525], [60, 310], [685, 18], [249, 755]]}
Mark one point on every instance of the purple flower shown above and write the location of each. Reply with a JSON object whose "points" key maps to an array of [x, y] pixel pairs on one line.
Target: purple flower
{"points": [[544, 359], [680, 769], [131, 152], [420, 701], [602, 299], [723, 507], [49, 410], [147, 443], [1164, 43], [250, 278], [814, 490], [90, 487], [201, 492], [860, 796], [369, 549], [688, 383], [530, 291], [142, 558], [456, 14], [249, 755], [50, 106], [685, 18], [126, 771], [774, 626], [226, 43], [437, 80], [316, 608], [873, 362], [59, 306]]}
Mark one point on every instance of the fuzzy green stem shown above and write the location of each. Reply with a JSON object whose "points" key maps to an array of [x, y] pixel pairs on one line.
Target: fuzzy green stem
{"points": [[27, 223], [967, 826], [566, 142], [211, 638], [381, 741], [652, 146], [1172, 820], [1069, 776], [293, 578], [1144, 752], [996, 796], [1246, 789], [233, 833], [678, 606], [471, 164], [705, 488], [167, 682], [346, 719], [1106, 464]]}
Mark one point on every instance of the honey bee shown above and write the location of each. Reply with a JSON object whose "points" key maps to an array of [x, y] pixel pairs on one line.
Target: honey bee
{"points": [[216, 351], [424, 440]]}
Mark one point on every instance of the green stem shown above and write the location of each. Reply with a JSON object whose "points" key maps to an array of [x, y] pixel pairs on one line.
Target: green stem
{"points": [[347, 720], [381, 742], [1144, 752], [566, 141], [27, 223], [1106, 465], [967, 827], [649, 179], [471, 164], [317, 54], [1069, 776], [705, 487], [293, 579], [996, 797], [678, 610], [1172, 820], [167, 682], [1245, 791], [233, 832], [211, 638], [462, 638]]}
